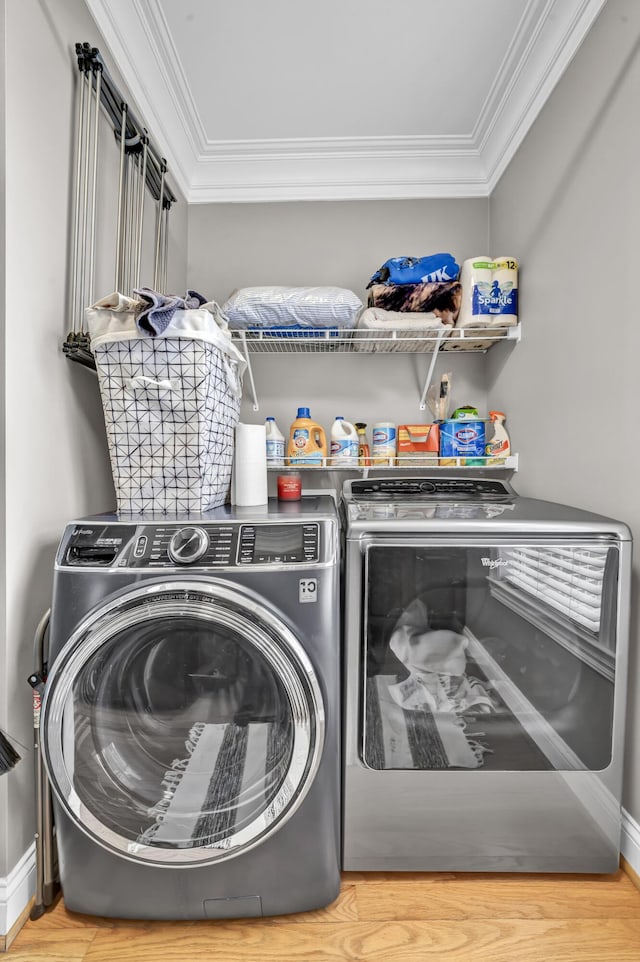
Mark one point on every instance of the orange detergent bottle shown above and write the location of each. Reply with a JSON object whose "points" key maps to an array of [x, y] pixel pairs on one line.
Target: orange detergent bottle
{"points": [[307, 441]]}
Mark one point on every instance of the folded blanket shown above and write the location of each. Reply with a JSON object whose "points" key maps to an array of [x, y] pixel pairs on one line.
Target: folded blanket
{"points": [[378, 319], [409, 330], [444, 300]]}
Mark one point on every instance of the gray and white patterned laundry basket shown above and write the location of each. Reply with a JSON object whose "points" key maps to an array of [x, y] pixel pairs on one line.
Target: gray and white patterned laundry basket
{"points": [[171, 405]]}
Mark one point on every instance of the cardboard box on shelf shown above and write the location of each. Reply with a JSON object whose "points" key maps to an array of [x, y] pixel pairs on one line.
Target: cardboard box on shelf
{"points": [[418, 444]]}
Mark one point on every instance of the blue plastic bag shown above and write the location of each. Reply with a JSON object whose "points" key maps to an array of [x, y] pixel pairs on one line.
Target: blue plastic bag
{"points": [[436, 268]]}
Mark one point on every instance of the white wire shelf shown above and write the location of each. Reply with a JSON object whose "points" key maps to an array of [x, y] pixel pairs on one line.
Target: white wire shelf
{"points": [[347, 340], [431, 341], [415, 465]]}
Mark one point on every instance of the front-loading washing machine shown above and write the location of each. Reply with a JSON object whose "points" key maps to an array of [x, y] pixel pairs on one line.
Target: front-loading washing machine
{"points": [[190, 722]]}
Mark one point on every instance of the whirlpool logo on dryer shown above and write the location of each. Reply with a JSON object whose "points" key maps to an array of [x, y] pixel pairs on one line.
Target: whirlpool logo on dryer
{"points": [[494, 563]]}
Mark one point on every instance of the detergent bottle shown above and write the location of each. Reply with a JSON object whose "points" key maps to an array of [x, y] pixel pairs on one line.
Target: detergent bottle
{"points": [[307, 441], [499, 447], [275, 444], [344, 443]]}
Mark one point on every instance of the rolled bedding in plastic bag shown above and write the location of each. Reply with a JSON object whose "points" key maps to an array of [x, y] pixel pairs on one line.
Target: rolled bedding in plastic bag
{"points": [[255, 308]]}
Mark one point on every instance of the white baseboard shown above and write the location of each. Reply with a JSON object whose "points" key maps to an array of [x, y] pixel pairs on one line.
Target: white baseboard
{"points": [[16, 890], [630, 841]]}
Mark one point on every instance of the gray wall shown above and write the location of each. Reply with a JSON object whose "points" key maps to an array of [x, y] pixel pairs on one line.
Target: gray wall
{"points": [[342, 244], [56, 456], [569, 207]]}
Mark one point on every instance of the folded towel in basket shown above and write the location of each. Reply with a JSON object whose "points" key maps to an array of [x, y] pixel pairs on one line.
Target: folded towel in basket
{"points": [[155, 310]]}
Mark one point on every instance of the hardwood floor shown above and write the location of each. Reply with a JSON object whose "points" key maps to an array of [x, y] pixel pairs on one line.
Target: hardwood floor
{"points": [[378, 917]]}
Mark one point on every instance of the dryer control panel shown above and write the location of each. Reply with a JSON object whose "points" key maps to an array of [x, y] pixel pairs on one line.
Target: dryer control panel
{"points": [[202, 545]]}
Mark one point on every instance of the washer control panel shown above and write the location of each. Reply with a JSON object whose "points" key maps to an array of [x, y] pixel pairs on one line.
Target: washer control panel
{"points": [[206, 545], [278, 544]]}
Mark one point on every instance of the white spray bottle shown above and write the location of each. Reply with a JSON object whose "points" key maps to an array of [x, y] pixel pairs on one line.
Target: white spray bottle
{"points": [[499, 447]]}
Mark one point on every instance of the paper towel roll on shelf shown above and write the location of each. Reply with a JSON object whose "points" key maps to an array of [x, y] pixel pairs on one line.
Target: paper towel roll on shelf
{"points": [[505, 286], [249, 483], [505, 272], [489, 292], [476, 277]]}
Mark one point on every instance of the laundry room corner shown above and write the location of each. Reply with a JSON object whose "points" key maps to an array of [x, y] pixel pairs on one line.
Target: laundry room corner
{"points": [[53, 454]]}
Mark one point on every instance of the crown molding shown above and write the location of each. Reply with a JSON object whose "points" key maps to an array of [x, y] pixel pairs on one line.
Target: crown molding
{"points": [[150, 76], [345, 169], [139, 40], [550, 38]]}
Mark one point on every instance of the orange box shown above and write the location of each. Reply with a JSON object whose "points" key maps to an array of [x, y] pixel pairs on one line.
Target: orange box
{"points": [[418, 444]]}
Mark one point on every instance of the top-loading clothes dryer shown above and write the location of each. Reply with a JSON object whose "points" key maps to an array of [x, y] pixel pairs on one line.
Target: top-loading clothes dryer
{"points": [[190, 721], [486, 667]]}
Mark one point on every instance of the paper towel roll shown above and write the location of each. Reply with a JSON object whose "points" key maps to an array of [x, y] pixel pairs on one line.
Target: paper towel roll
{"points": [[476, 276], [250, 465], [505, 273]]}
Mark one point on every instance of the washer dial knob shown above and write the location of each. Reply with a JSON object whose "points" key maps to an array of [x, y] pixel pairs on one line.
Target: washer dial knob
{"points": [[188, 545]]}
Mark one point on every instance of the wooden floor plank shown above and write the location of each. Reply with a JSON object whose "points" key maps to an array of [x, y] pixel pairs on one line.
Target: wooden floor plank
{"points": [[37, 945], [504, 897], [611, 940], [413, 917], [58, 918]]}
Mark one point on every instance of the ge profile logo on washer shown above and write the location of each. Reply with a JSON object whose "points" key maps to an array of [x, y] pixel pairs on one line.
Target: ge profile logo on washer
{"points": [[307, 590]]}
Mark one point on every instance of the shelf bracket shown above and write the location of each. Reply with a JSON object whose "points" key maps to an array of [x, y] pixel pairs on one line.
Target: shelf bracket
{"points": [[252, 383], [434, 356]]}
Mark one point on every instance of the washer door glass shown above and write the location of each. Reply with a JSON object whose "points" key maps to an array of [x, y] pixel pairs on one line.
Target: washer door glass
{"points": [[182, 723]]}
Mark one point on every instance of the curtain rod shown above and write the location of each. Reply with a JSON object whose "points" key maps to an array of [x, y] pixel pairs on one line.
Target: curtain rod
{"points": [[90, 63]]}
